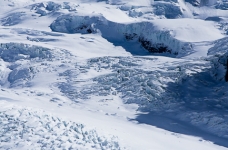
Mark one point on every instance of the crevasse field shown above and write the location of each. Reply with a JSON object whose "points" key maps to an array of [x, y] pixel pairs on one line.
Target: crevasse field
{"points": [[113, 75]]}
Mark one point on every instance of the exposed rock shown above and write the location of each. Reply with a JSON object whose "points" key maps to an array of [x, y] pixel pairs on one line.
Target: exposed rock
{"points": [[154, 48], [226, 76]]}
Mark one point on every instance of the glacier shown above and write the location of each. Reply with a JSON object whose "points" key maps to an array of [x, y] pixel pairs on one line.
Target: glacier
{"points": [[113, 74]]}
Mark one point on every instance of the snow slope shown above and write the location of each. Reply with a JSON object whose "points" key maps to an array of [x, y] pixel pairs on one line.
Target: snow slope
{"points": [[113, 74]]}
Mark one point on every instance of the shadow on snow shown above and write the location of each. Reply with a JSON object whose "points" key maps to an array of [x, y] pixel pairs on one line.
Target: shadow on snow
{"points": [[197, 94]]}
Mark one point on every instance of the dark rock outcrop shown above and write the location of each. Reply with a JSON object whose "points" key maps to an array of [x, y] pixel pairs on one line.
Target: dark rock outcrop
{"points": [[154, 48], [226, 76]]}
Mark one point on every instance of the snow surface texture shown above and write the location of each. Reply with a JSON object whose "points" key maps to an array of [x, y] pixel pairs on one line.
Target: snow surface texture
{"points": [[101, 74], [24, 128], [219, 59], [144, 32]]}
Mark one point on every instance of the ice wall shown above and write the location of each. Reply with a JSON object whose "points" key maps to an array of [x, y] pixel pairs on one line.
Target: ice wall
{"points": [[155, 41]]}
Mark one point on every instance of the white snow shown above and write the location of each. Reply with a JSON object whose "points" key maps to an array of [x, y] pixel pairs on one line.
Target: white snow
{"points": [[190, 31], [78, 74]]}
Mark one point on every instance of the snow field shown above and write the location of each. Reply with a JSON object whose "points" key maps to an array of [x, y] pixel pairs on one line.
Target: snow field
{"points": [[65, 62]]}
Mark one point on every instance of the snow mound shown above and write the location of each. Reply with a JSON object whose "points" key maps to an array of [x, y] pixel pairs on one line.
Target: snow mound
{"points": [[167, 10], [17, 54], [24, 128], [11, 52], [20, 76], [144, 33], [76, 24], [13, 18], [50, 7]]}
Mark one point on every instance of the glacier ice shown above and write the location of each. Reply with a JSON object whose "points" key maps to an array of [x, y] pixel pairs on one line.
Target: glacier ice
{"points": [[151, 39], [11, 52], [26, 128]]}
